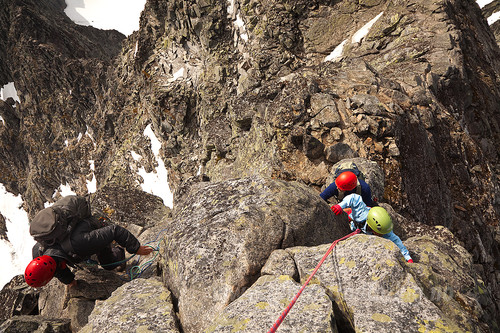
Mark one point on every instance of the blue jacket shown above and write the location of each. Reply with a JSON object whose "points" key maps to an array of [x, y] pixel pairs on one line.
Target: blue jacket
{"points": [[366, 192], [360, 213]]}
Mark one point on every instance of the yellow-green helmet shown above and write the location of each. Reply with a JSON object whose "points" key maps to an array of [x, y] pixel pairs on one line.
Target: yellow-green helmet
{"points": [[379, 220]]}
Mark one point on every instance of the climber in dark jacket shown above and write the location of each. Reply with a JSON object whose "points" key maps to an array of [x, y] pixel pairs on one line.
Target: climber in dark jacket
{"points": [[347, 183], [85, 241]]}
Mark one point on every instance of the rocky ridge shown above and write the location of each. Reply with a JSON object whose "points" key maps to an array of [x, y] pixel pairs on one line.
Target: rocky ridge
{"points": [[418, 95]]}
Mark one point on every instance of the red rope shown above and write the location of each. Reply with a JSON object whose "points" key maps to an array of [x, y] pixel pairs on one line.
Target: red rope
{"points": [[289, 307]]}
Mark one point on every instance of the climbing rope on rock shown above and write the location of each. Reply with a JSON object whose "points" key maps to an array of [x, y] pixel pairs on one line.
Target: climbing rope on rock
{"points": [[289, 307], [137, 268]]}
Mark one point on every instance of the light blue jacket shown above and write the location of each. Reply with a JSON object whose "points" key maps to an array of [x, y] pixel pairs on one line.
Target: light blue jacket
{"points": [[360, 213]]}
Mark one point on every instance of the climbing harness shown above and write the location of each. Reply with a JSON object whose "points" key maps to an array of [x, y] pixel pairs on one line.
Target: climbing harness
{"points": [[289, 307]]}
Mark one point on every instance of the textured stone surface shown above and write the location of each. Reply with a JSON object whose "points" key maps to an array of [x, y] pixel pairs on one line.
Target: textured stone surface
{"points": [[261, 305], [36, 324], [222, 234], [3, 228], [374, 290], [17, 298], [139, 306], [58, 301], [418, 95]]}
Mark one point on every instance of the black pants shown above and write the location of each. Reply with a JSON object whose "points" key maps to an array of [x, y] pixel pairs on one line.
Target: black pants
{"points": [[87, 241], [111, 256]]}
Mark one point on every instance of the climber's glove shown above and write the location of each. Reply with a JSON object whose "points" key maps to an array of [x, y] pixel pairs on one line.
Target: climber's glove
{"points": [[337, 209]]}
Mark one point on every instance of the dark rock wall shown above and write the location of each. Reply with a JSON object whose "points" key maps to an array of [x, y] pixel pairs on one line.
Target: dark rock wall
{"points": [[59, 72], [419, 95]]}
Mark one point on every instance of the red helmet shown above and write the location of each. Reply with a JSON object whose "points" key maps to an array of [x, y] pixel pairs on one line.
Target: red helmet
{"points": [[40, 271], [346, 181]]}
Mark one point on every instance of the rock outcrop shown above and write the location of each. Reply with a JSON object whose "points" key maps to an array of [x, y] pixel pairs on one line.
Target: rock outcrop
{"points": [[139, 306], [252, 93], [221, 235], [3, 228], [489, 10], [375, 291], [36, 324], [17, 299]]}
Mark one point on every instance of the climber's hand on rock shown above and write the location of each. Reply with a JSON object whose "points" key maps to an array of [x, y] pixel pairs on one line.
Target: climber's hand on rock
{"points": [[144, 250]]}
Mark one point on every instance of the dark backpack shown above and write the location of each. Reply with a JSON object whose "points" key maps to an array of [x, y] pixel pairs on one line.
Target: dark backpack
{"points": [[348, 166], [54, 224]]}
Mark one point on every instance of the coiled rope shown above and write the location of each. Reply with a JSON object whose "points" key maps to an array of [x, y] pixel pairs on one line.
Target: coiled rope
{"points": [[289, 307], [137, 268]]}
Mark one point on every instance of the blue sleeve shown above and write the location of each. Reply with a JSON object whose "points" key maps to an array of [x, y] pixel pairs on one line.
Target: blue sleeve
{"points": [[366, 193], [347, 202], [396, 240], [329, 192]]}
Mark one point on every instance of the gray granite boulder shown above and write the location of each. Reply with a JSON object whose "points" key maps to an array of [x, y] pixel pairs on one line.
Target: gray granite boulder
{"points": [[222, 234], [143, 305], [36, 324], [258, 309]]}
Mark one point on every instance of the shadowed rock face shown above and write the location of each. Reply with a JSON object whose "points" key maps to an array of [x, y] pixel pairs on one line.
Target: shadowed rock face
{"points": [[490, 9], [3, 228], [16, 298], [35, 323], [418, 95], [58, 69]]}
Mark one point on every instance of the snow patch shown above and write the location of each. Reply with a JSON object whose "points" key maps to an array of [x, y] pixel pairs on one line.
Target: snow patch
{"points": [[336, 54], [9, 90], [230, 7], [239, 24], [16, 251], [493, 18], [483, 3], [64, 190], [155, 143], [156, 182], [92, 184], [135, 156], [178, 74], [361, 33], [89, 134], [121, 15]]}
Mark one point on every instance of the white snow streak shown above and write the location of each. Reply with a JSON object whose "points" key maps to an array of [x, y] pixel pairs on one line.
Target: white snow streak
{"points": [[493, 18], [483, 3], [361, 33], [156, 182], [336, 54]]}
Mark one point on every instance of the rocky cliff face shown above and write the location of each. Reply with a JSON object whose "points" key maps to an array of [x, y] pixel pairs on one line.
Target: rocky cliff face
{"points": [[272, 89]]}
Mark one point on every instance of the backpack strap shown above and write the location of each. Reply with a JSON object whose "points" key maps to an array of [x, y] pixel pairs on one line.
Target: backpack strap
{"points": [[66, 242], [67, 247]]}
